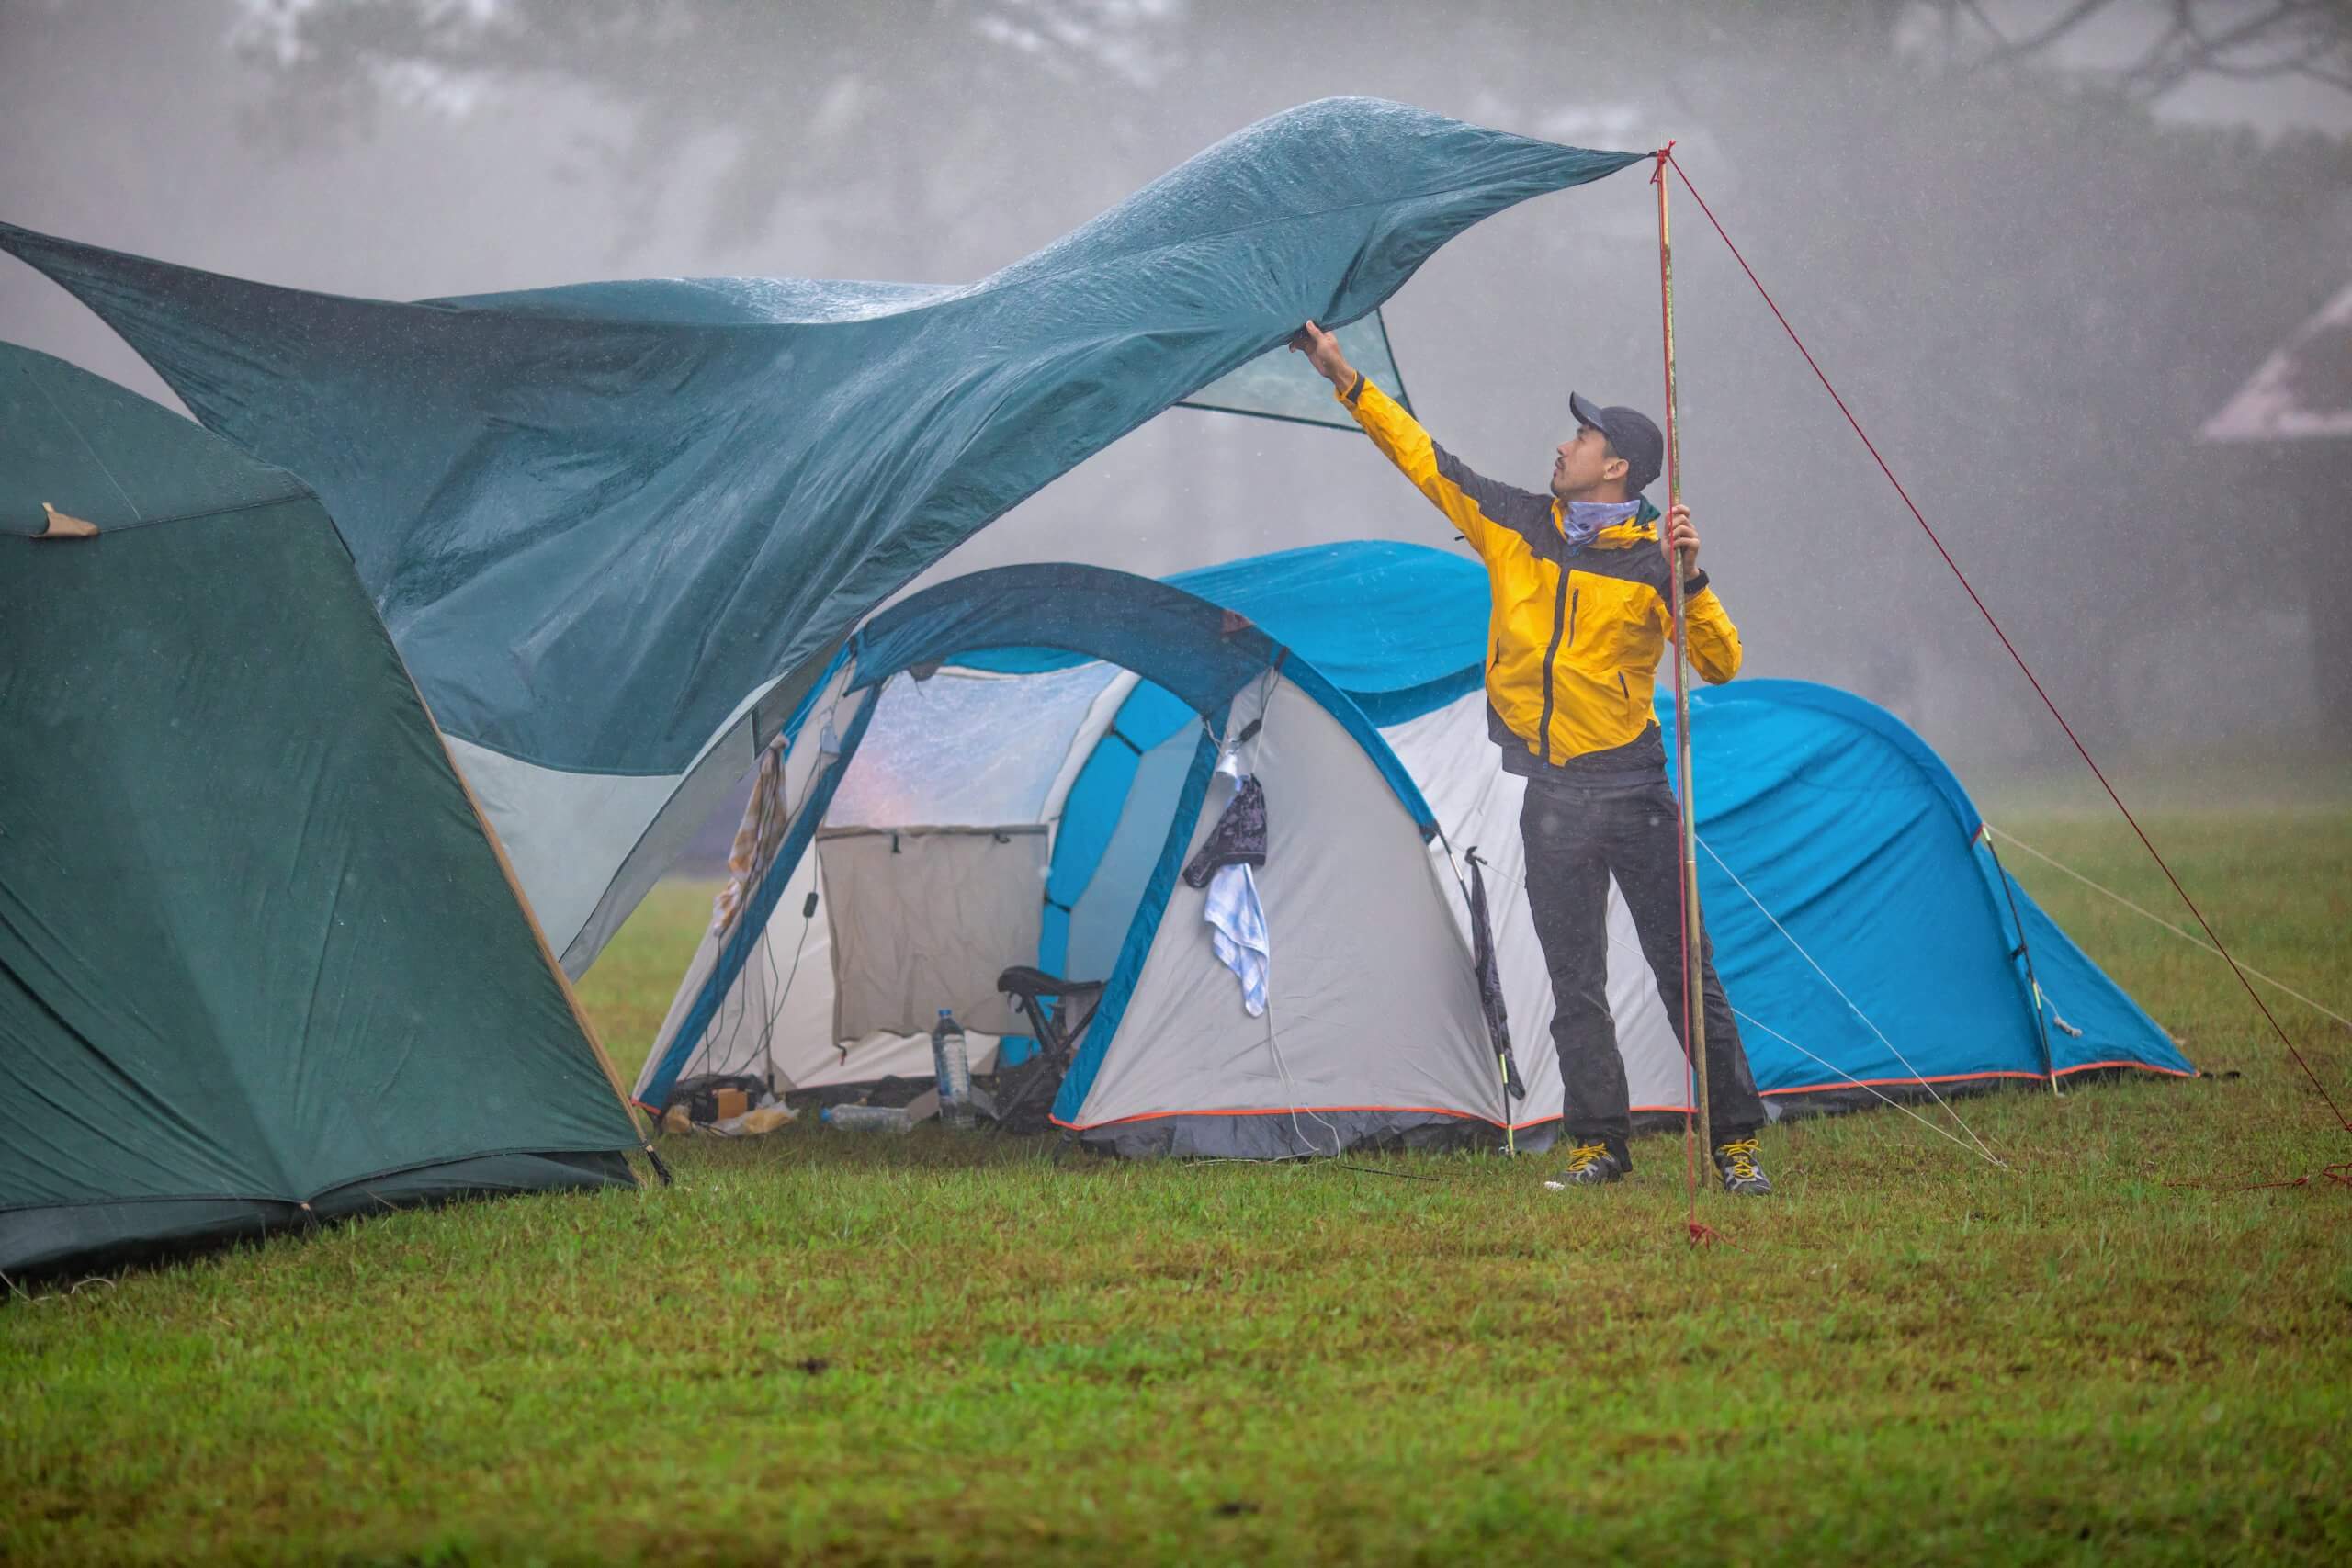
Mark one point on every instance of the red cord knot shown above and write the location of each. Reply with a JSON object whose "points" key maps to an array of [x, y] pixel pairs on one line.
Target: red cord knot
{"points": [[1706, 1234], [1663, 155], [2338, 1175]]}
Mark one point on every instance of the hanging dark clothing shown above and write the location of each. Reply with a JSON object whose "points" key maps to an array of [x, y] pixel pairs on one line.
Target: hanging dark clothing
{"points": [[1238, 838]]}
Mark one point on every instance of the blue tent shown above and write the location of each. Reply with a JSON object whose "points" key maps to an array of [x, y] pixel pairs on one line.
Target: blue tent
{"points": [[1872, 945], [618, 529]]}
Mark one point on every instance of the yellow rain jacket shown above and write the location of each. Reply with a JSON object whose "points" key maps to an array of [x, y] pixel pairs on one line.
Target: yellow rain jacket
{"points": [[1574, 636]]}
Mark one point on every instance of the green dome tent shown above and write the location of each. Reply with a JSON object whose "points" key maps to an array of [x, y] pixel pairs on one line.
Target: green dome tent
{"points": [[260, 962]]}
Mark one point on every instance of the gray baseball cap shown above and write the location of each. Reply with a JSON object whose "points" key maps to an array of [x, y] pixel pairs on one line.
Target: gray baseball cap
{"points": [[1631, 434]]}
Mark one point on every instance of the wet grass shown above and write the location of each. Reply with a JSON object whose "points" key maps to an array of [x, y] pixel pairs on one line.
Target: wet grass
{"points": [[832, 1348]]}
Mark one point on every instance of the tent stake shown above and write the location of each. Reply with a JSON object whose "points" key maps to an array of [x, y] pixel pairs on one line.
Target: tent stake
{"points": [[1695, 1011]]}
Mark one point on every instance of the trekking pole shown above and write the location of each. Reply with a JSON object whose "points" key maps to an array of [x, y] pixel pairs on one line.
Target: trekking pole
{"points": [[1694, 1013]]}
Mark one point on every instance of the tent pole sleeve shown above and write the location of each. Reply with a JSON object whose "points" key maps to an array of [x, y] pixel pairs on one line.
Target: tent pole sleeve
{"points": [[1694, 1013], [2025, 949]]}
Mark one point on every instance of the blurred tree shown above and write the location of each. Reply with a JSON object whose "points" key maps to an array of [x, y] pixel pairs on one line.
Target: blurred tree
{"points": [[2247, 40], [863, 114]]}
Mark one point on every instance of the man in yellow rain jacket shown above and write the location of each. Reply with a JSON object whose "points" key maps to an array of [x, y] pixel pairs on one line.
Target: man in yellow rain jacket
{"points": [[1579, 621]]}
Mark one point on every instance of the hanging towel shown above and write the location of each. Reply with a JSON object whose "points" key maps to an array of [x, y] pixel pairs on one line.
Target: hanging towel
{"points": [[1226, 864], [1237, 933]]}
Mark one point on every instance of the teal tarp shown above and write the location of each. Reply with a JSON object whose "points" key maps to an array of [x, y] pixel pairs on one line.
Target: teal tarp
{"points": [[597, 518]]}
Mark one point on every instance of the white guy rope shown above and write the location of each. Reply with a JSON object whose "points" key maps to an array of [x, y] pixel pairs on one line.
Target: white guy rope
{"points": [[1849, 1002], [1857, 1083], [2185, 934], [1834, 1068]]}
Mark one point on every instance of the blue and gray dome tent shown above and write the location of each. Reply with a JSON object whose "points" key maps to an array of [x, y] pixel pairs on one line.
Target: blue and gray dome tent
{"points": [[1009, 768]]}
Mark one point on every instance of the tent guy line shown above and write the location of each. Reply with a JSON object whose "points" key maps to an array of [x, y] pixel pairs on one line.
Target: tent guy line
{"points": [[1875, 1091], [1665, 155], [1745, 1017], [2183, 933], [1849, 1002]]}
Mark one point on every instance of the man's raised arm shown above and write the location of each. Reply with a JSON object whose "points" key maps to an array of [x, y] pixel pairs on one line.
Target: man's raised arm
{"points": [[1469, 499]]}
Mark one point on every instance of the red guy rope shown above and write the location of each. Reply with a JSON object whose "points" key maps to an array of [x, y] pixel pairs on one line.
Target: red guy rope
{"points": [[1666, 156]]}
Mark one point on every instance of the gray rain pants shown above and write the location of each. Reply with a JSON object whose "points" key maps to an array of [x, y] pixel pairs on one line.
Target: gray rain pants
{"points": [[1577, 835]]}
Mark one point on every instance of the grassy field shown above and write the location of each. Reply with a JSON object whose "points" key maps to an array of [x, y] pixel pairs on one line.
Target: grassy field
{"points": [[823, 1348]]}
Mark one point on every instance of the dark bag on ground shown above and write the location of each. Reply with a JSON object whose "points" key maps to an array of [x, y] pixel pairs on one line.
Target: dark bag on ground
{"points": [[714, 1097]]}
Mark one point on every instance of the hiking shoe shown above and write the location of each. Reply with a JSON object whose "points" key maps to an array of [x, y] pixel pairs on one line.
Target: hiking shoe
{"points": [[1737, 1163], [1589, 1165]]}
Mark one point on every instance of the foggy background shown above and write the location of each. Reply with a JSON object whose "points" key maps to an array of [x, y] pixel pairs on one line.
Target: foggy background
{"points": [[2036, 242]]}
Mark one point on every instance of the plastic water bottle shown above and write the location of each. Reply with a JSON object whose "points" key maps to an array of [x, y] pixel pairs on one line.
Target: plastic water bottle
{"points": [[865, 1118], [954, 1070]]}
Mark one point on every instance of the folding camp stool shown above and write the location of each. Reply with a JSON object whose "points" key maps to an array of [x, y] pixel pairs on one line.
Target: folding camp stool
{"points": [[1032, 1084]]}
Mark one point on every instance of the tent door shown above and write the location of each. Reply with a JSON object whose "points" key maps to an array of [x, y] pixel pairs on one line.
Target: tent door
{"points": [[927, 918]]}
